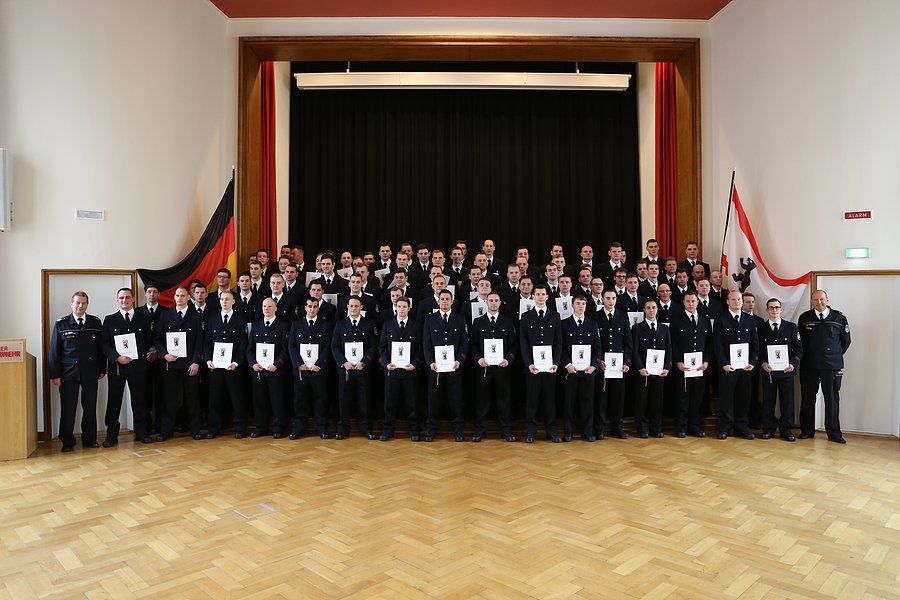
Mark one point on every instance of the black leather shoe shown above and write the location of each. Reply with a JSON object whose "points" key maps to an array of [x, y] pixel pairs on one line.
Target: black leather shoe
{"points": [[621, 435], [197, 436], [698, 433], [211, 436], [598, 437], [567, 438], [340, 436], [239, 435], [529, 439], [146, 440], [91, 445], [643, 435], [837, 440], [721, 436], [109, 443], [277, 436], [680, 434], [806, 436], [477, 438], [415, 437], [555, 439], [429, 437], [371, 436], [162, 438], [748, 436], [68, 448], [588, 438], [459, 438], [295, 436], [766, 436], [386, 436], [659, 434], [789, 438], [258, 434], [509, 437], [324, 436]]}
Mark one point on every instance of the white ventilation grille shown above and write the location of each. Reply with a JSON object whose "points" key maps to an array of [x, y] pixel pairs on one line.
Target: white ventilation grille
{"points": [[84, 214]]}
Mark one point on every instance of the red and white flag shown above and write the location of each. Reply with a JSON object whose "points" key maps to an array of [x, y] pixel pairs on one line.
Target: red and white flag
{"points": [[743, 268]]}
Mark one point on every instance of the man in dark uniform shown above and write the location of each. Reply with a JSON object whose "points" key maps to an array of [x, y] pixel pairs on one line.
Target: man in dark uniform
{"points": [[181, 371], [647, 335], [354, 365], [225, 382], [401, 381], [540, 326], [825, 334], [615, 336], [690, 331], [154, 377], [582, 352], [369, 302], [267, 373], [75, 361], [775, 331], [309, 346], [692, 258], [492, 378], [734, 327], [445, 328], [118, 329]]}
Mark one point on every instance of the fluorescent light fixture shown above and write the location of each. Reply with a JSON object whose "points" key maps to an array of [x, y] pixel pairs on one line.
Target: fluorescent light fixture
{"points": [[475, 81], [857, 253]]}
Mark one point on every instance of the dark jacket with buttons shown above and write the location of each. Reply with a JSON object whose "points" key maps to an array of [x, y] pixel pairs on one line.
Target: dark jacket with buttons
{"points": [[536, 332], [192, 326], [141, 327], [277, 336], [788, 335], [824, 343], [319, 335], [74, 350]]}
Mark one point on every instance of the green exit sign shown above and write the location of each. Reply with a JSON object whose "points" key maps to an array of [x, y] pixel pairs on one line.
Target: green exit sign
{"points": [[857, 253]]}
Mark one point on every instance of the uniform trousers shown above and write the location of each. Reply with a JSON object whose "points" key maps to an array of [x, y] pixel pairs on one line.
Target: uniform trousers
{"points": [[648, 402], [540, 391], [734, 401], [441, 385], [310, 391], [178, 384], [68, 404], [353, 389], [492, 383], [395, 389], [689, 394], [226, 385], [268, 397], [140, 413], [782, 389], [579, 388], [830, 381], [609, 400]]}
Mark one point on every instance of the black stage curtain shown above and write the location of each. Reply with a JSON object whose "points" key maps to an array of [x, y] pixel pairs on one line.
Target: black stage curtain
{"points": [[526, 168]]}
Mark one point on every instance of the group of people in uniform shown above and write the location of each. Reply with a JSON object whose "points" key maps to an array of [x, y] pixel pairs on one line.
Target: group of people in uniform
{"points": [[571, 344]]}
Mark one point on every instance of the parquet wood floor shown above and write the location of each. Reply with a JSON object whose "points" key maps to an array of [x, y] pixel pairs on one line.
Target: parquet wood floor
{"points": [[268, 518]]}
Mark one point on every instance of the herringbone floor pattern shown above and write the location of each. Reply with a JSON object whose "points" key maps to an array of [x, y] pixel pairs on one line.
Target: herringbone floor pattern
{"points": [[357, 519]]}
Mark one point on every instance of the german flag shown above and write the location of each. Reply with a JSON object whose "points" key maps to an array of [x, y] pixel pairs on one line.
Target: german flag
{"points": [[216, 249]]}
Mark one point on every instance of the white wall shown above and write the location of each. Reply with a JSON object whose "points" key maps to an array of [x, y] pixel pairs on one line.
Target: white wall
{"points": [[121, 105], [804, 97]]}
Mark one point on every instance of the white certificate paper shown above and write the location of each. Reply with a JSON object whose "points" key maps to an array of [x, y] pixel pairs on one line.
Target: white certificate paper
{"points": [[472, 295], [693, 361], [656, 360], [542, 357], [380, 273], [330, 299], [222, 354], [309, 353], [581, 356], [126, 345], [614, 363], [740, 355], [345, 273], [444, 357], [479, 309], [176, 343], [265, 355], [493, 351], [635, 317], [525, 306], [564, 307], [310, 277], [400, 353], [778, 357], [452, 289], [353, 351]]}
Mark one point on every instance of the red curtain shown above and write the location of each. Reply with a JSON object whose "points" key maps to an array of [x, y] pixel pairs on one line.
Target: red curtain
{"points": [[268, 209], [666, 166]]}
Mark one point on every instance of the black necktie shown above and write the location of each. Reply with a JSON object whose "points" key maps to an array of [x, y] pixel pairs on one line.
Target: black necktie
{"points": [[255, 287], [737, 320], [515, 290], [80, 321], [693, 322], [493, 320], [275, 299], [705, 304], [327, 281], [354, 325], [152, 310], [456, 269], [653, 328], [311, 323], [554, 289], [775, 329], [225, 320], [579, 323], [128, 318], [445, 319], [267, 325], [609, 317], [821, 316], [541, 314], [180, 316], [287, 290], [402, 326]]}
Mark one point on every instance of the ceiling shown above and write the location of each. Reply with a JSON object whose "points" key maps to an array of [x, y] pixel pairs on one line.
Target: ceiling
{"points": [[581, 9]]}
